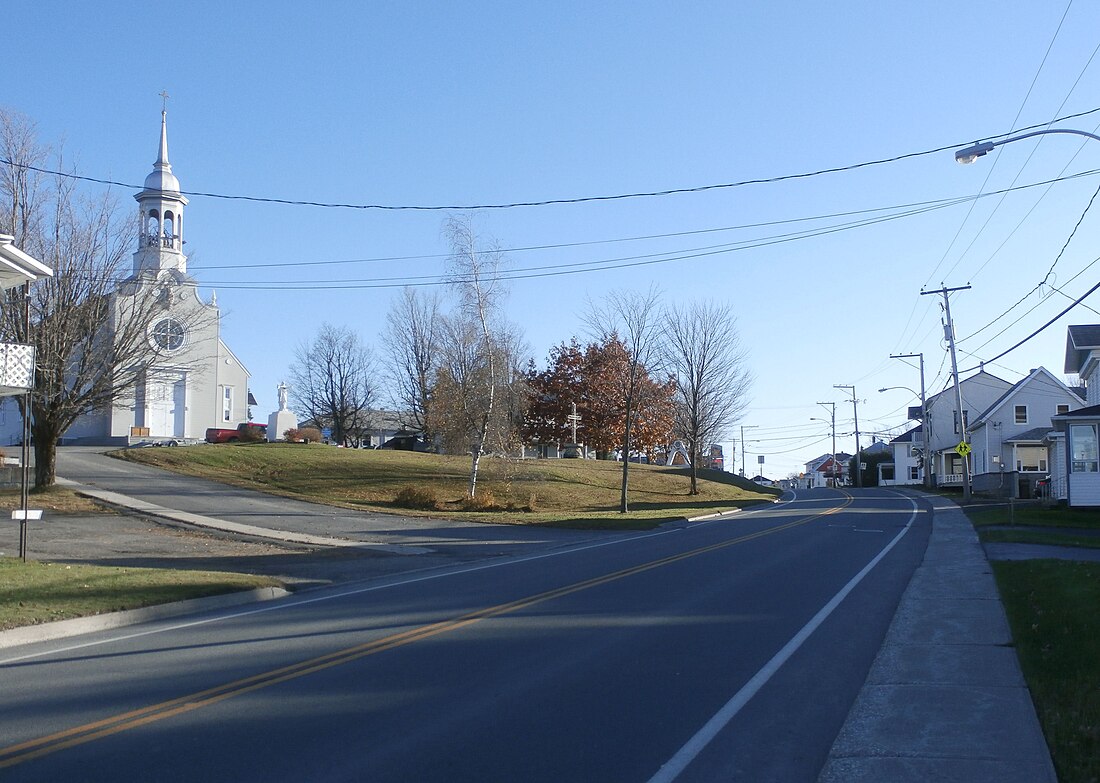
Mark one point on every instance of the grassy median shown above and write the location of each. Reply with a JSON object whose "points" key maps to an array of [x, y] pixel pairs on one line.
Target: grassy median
{"points": [[32, 592]]}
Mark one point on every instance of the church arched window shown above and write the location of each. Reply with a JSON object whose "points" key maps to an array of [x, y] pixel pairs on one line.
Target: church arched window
{"points": [[152, 227]]}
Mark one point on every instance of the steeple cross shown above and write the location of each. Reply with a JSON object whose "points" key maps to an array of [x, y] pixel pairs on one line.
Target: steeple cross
{"points": [[164, 100]]}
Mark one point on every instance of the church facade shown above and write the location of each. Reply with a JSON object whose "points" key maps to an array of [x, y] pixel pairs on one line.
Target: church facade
{"points": [[190, 379]]}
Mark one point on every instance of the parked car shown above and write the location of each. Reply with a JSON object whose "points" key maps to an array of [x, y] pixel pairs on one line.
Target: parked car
{"points": [[246, 431]]}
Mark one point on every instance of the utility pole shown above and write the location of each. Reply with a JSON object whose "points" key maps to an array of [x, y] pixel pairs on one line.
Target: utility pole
{"points": [[743, 428], [855, 416], [924, 426], [832, 415], [949, 335]]}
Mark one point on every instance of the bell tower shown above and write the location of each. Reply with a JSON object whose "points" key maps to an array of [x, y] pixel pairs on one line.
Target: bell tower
{"points": [[160, 226]]}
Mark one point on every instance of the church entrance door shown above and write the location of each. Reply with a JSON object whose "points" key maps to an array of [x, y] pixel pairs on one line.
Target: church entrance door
{"points": [[166, 406]]}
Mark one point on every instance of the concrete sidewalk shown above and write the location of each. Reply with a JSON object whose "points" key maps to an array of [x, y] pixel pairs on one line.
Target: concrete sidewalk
{"points": [[945, 699]]}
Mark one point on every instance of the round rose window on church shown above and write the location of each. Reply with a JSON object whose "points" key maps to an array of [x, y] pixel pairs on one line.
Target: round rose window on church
{"points": [[167, 334]]}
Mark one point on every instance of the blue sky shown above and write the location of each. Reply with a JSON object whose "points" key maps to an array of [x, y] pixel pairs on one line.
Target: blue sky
{"points": [[409, 103]]}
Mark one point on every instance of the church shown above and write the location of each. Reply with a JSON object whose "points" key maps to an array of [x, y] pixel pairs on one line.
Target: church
{"points": [[191, 380]]}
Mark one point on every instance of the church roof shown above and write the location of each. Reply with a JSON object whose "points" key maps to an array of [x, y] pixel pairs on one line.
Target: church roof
{"points": [[162, 178]]}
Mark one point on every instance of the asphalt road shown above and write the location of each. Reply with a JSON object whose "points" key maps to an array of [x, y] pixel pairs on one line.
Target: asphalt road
{"points": [[724, 650]]}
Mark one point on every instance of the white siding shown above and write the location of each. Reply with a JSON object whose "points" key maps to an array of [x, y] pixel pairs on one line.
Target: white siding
{"points": [[1084, 489]]}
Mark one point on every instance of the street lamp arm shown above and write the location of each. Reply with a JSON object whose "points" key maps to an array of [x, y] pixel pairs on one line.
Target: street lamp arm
{"points": [[975, 151]]}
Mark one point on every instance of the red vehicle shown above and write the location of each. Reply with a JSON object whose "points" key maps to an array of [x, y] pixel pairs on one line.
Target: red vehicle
{"points": [[247, 431]]}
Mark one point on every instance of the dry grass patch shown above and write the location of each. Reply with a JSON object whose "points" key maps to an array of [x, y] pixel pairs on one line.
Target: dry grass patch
{"points": [[56, 499], [563, 491]]}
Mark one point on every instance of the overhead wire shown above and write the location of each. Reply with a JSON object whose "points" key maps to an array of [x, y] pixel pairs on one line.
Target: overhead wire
{"points": [[540, 202], [621, 262], [1019, 173]]}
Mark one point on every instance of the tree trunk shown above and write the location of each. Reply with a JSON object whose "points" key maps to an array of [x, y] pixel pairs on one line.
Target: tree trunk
{"points": [[694, 467], [626, 461], [45, 455], [476, 457]]}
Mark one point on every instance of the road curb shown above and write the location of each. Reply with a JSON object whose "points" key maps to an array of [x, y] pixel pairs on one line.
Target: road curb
{"points": [[60, 629]]}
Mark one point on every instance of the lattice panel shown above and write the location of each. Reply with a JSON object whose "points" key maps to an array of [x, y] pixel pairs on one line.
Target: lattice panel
{"points": [[16, 365]]}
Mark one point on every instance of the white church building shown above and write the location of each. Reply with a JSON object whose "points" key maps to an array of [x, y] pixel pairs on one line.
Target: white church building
{"points": [[192, 380]]}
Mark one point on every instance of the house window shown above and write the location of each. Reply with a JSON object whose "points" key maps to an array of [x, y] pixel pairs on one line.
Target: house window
{"points": [[1063, 409], [914, 473], [1031, 459], [1021, 414], [227, 404], [966, 420], [1083, 451]]}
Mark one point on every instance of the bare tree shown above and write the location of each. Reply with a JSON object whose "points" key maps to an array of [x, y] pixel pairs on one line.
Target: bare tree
{"points": [[705, 357], [332, 380], [413, 341], [633, 319], [90, 327], [475, 277]]}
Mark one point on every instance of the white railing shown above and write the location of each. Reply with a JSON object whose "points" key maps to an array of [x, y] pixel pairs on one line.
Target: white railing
{"points": [[951, 478]]}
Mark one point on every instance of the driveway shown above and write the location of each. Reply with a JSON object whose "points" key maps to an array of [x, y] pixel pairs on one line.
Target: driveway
{"points": [[128, 540]]}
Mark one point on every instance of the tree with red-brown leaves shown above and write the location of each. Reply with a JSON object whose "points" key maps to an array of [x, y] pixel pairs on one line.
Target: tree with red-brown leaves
{"points": [[598, 379], [552, 393]]}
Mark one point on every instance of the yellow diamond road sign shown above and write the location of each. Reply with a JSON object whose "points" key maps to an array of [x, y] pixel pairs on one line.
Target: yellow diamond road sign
{"points": [[962, 449]]}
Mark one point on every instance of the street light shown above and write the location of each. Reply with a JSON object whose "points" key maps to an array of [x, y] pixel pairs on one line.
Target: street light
{"points": [[832, 425], [891, 388], [969, 155], [976, 150]]}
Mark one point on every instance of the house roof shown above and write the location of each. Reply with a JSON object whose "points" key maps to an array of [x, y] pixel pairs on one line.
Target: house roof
{"points": [[819, 462], [1033, 435], [16, 267], [909, 437], [1092, 412], [1080, 341], [979, 376], [988, 412], [878, 447]]}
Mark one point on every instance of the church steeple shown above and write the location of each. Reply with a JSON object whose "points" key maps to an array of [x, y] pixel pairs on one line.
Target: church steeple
{"points": [[160, 232]]}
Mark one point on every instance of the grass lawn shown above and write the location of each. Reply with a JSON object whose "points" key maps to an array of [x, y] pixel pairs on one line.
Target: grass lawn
{"points": [[573, 493], [1053, 607], [1032, 524], [32, 592]]}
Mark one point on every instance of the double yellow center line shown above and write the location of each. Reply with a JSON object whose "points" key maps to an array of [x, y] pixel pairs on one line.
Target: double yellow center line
{"points": [[78, 735]]}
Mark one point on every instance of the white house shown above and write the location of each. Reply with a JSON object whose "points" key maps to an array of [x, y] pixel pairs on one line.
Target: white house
{"points": [[191, 379], [944, 422], [907, 466], [1075, 470], [16, 360], [1009, 454], [823, 471]]}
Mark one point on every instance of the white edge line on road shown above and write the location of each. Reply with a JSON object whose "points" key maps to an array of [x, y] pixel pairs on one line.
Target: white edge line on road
{"points": [[672, 768], [293, 602]]}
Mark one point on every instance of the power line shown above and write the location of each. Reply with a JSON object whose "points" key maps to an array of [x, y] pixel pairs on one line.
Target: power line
{"points": [[542, 202], [1040, 329], [621, 262]]}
